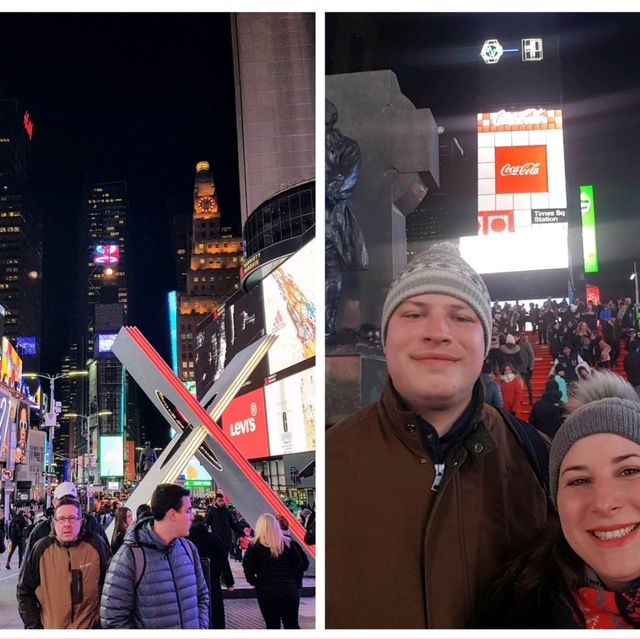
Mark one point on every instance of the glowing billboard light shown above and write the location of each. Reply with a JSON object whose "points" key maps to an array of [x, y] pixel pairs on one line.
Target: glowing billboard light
{"points": [[173, 330], [522, 198], [106, 254], [588, 217], [111, 456]]}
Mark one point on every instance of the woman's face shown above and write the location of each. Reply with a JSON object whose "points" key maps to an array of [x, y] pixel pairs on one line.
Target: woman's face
{"points": [[507, 370], [599, 506]]}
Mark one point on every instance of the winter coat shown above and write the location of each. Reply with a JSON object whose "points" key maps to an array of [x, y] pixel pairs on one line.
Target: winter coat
{"points": [[426, 568], [209, 546], [262, 569], [222, 524], [60, 583], [492, 393], [547, 413], [631, 365], [172, 592], [512, 395], [527, 356], [510, 354], [16, 529]]}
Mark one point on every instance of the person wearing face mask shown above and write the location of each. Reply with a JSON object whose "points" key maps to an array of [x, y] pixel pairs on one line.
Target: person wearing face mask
{"points": [[584, 571]]}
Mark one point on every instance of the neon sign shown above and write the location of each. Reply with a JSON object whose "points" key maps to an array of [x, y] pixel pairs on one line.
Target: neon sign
{"points": [[28, 124]]}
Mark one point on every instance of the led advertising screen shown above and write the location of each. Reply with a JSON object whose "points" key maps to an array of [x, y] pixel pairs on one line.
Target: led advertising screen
{"points": [[5, 433], [291, 413], [105, 342], [289, 309], [111, 456], [11, 364], [22, 434], [106, 254], [588, 217], [245, 422], [208, 364], [522, 198], [196, 475], [26, 345]]}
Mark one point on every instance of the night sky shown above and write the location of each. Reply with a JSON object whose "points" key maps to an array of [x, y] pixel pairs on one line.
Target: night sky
{"points": [[436, 59], [139, 97]]}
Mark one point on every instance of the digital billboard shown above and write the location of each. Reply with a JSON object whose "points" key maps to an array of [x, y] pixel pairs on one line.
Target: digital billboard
{"points": [[289, 309], [104, 254], [26, 345], [22, 434], [588, 217], [245, 423], [11, 364], [522, 198], [291, 413], [105, 342], [5, 422], [111, 456]]}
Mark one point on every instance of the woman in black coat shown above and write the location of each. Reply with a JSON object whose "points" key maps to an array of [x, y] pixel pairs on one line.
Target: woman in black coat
{"points": [[273, 564]]}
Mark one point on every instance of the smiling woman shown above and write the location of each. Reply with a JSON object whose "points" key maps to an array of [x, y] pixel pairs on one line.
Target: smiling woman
{"points": [[585, 572]]}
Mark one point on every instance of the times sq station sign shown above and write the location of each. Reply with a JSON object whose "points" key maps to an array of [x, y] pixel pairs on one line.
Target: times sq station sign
{"points": [[522, 196]]}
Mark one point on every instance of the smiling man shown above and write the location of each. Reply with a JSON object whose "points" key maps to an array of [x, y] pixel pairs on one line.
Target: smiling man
{"points": [[63, 575], [427, 489]]}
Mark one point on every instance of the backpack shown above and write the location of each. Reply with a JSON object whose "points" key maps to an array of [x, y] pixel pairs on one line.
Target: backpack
{"points": [[140, 559], [532, 444]]}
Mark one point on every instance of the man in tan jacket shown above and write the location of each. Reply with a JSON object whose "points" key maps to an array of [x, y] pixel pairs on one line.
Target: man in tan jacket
{"points": [[428, 490], [62, 579]]}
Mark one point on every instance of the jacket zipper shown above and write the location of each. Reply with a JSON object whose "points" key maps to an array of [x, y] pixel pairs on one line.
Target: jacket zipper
{"points": [[439, 474]]}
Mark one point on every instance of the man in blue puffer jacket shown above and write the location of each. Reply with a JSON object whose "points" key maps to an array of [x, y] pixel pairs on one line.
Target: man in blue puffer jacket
{"points": [[168, 590]]}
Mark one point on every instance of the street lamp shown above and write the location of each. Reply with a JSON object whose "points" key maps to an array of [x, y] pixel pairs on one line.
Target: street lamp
{"points": [[634, 277], [50, 418], [87, 419]]}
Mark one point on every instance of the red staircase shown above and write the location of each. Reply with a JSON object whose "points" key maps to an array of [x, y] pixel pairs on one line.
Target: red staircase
{"points": [[543, 365]]}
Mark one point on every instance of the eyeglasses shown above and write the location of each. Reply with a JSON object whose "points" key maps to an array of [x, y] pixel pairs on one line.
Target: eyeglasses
{"points": [[70, 519]]}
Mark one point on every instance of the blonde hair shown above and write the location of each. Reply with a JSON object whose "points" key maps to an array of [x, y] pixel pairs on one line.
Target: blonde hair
{"points": [[269, 534]]}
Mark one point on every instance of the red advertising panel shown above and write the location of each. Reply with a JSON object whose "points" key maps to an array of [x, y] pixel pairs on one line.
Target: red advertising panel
{"points": [[521, 169], [130, 468], [245, 423], [592, 294]]}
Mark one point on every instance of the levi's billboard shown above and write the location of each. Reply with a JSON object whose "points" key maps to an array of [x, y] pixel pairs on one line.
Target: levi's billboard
{"points": [[521, 169], [245, 423]]}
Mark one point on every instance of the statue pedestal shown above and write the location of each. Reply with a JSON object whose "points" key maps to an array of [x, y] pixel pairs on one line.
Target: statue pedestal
{"points": [[354, 377]]}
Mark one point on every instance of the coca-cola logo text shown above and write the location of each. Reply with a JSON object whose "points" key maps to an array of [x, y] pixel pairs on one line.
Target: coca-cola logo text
{"points": [[518, 118], [528, 168]]}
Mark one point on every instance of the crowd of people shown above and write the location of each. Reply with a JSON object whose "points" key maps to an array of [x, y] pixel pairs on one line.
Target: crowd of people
{"points": [[163, 566], [496, 524]]}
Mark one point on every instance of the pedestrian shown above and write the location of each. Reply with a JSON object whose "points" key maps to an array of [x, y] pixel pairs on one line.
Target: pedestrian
{"points": [[142, 511], [209, 546], [492, 393], [526, 367], [43, 528], [548, 412], [221, 522], [63, 575], [17, 527], [155, 580], [431, 454], [583, 571], [511, 388], [123, 520], [3, 547], [274, 567], [631, 365]]}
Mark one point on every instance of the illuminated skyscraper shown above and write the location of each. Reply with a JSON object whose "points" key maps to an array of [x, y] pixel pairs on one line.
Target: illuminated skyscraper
{"points": [[214, 270], [20, 236]]}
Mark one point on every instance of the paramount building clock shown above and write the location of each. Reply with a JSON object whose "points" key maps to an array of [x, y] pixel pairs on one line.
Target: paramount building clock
{"points": [[206, 204]]}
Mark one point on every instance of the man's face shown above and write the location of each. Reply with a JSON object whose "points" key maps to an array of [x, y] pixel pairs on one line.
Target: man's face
{"points": [[566, 351], [434, 349], [183, 518], [219, 502], [67, 522]]}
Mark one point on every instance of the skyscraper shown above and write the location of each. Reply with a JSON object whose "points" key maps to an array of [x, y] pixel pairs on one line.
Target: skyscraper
{"points": [[214, 268], [20, 236]]}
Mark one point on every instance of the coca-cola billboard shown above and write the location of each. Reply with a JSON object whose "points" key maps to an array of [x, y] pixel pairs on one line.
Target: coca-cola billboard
{"points": [[521, 169], [245, 423]]}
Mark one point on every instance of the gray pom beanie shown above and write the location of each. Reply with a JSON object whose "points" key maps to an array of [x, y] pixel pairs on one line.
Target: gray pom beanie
{"points": [[608, 415], [440, 269]]}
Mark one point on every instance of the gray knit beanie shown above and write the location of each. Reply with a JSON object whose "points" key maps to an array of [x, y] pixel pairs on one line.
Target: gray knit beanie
{"points": [[440, 269], [603, 403]]}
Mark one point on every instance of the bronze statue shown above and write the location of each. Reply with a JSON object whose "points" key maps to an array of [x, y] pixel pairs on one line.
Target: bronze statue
{"points": [[148, 458], [345, 248]]}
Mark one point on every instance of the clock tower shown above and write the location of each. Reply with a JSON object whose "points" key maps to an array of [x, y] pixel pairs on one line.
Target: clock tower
{"points": [[214, 267]]}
